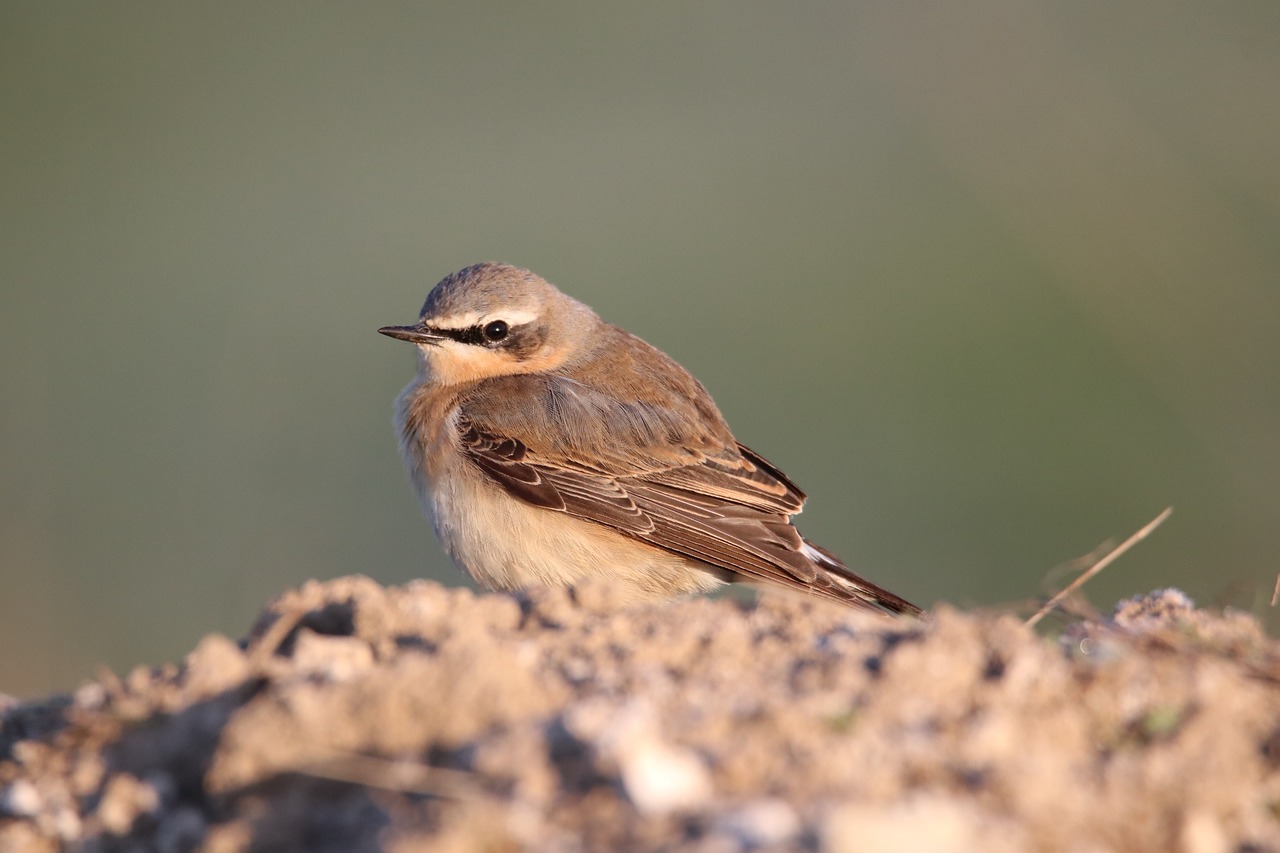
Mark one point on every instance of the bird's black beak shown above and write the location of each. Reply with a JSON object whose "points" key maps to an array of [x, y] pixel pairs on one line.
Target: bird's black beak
{"points": [[418, 333]]}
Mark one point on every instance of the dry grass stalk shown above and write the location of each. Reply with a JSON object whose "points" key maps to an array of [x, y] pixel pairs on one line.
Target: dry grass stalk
{"points": [[1107, 560]]}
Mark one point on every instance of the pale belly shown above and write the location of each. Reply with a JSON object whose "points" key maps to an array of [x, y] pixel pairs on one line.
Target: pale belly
{"points": [[505, 543]]}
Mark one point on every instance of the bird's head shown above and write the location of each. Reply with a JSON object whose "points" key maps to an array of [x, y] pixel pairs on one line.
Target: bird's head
{"points": [[493, 320]]}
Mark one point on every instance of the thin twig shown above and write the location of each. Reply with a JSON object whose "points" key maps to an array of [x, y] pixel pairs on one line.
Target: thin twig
{"points": [[271, 640], [1102, 564], [1275, 593]]}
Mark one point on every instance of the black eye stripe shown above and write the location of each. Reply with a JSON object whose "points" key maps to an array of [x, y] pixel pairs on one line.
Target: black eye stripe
{"points": [[471, 334]]}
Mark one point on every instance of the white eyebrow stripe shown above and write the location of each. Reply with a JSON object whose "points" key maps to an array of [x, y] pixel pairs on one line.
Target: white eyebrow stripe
{"points": [[455, 321], [475, 318]]}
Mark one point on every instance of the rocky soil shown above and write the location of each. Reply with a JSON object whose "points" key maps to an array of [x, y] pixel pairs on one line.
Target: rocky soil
{"points": [[356, 717]]}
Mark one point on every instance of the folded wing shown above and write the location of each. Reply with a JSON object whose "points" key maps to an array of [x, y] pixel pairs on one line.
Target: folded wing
{"points": [[725, 506]]}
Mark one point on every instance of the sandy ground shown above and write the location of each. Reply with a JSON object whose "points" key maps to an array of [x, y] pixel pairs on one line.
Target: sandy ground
{"points": [[356, 717]]}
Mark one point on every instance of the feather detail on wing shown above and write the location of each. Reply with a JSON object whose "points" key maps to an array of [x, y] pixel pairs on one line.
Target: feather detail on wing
{"points": [[730, 509]]}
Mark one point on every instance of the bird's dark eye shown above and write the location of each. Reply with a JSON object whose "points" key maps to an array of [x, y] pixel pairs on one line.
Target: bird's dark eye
{"points": [[495, 331]]}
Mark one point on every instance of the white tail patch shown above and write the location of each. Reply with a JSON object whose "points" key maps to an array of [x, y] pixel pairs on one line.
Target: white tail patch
{"points": [[814, 554]]}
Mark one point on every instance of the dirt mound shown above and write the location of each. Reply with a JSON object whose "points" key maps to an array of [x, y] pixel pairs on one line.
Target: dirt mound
{"points": [[356, 717]]}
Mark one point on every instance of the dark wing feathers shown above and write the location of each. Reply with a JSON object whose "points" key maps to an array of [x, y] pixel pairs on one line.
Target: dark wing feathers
{"points": [[737, 482], [654, 477], [504, 460], [726, 515], [748, 542]]}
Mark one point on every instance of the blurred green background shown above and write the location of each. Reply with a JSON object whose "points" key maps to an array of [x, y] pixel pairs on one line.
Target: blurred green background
{"points": [[993, 281]]}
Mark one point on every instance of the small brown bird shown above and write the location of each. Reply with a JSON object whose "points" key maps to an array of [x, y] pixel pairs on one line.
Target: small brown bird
{"points": [[549, 446]]}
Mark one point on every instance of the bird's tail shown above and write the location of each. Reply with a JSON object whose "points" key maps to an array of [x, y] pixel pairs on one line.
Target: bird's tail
{"points": [[854, 588]]}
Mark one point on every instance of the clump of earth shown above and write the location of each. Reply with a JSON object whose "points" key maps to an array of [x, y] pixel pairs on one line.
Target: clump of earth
{"points": [[357, 717]]}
